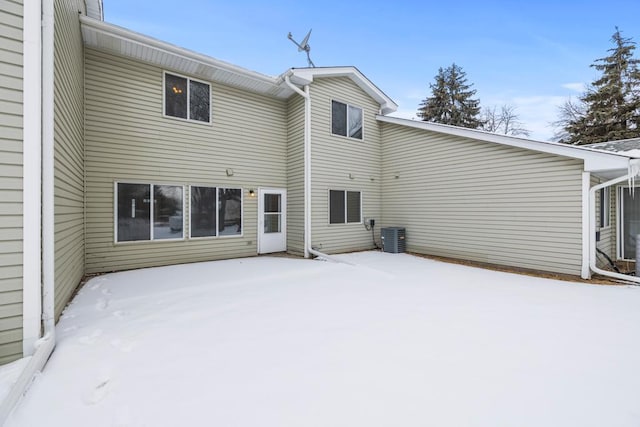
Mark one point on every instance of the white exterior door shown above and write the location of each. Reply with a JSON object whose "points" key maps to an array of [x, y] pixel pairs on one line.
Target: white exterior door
{"points": [[272, 220]]}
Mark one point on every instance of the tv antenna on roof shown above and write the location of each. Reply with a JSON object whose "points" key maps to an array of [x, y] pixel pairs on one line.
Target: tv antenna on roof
{"points": [[304, 46]]}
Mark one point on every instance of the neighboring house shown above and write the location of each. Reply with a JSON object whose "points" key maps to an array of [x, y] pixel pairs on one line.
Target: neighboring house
{"points": [[121, 151]]}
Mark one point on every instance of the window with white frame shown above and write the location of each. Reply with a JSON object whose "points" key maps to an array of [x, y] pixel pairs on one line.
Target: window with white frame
{"points": [[215, 211], [148, 212], [605, 207], [345, 207], [346, 120], [186, 98]]}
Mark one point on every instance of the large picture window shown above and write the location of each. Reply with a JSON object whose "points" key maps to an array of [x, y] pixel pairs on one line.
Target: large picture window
{"points": [[345, 207], [186, 98], [148, 212], [215, 211], [346, 120]]}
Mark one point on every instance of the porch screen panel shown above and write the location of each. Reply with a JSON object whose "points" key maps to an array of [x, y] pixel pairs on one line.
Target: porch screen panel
{"points": [[630, 222]]}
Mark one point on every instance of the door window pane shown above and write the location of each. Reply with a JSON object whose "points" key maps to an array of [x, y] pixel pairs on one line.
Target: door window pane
{"points": [[230, 211], [272, 222], [272, 203], [134, 212], [203, 211], [167, 212]]}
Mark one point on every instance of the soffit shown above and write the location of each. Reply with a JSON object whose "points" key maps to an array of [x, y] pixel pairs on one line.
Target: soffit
{"points": [[113, 39]]}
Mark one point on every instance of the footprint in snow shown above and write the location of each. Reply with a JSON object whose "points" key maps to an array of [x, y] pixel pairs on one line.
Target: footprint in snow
{"points": [[102, 304], [106, 291], [120, 314], [98, 392], [91, 338], [70, 329], [123, 346]]}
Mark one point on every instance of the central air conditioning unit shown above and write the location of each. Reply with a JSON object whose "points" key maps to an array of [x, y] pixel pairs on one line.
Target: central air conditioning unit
{"points": [[393, 239]]}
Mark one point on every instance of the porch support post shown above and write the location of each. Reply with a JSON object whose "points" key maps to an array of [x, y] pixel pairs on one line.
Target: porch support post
{"points": [[585, 272]]}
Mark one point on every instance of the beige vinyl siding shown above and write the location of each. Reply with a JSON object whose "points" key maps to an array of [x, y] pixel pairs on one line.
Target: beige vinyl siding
{"points": [[69, 151], [483, 202], [295, 175], [334, 158], [129, 140], [11, 139]]}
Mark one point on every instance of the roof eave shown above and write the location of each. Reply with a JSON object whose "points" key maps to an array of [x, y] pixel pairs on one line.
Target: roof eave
{"points": [[594, 160], [121, 41], [303, 76]]}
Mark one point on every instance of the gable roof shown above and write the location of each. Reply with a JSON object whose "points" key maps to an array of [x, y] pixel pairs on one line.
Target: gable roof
{"points": [[304, 76], [121, 41], [595, 160]]}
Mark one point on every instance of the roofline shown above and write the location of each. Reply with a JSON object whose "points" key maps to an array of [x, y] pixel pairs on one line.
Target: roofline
{"points": [[124, 33], [595, 160], [305, 76]]}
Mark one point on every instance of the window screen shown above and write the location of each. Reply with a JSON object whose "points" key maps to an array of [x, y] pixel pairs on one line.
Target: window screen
{"points": [[203, 211], [336, 207]]}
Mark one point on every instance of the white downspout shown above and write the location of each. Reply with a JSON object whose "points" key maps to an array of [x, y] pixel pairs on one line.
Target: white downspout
{"points": [[45, 345], [308, 250], [48, 176], [307, 163], [32, 177], [592, 226], [585, 273]]}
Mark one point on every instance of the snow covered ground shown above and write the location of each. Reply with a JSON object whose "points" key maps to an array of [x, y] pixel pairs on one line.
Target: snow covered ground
{"points": [[393, 340]]}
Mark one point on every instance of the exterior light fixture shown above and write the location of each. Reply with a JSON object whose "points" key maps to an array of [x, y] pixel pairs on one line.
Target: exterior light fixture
{"points": [[252, 193]]}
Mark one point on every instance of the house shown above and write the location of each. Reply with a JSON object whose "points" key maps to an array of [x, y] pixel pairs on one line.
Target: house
{"points": [[120, 151]]}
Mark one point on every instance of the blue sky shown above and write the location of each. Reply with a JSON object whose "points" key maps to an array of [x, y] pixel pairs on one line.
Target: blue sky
{"points": [[531, 54]]}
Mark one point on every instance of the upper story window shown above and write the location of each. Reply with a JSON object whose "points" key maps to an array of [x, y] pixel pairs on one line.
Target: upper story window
{"points": [[186, 98], [346, 120]]}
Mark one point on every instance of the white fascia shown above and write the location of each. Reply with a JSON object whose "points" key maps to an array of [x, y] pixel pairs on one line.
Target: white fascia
{"points": [[305, 76], [594, 160], [32, 177]]}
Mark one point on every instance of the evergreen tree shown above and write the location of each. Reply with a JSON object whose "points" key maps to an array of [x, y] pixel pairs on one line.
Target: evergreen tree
{"points": [[612, 103], [451, 101]]}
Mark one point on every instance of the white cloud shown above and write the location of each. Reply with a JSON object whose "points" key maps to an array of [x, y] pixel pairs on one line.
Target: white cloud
{"points": [[537, 113], [576, 87], [405, 114]]}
